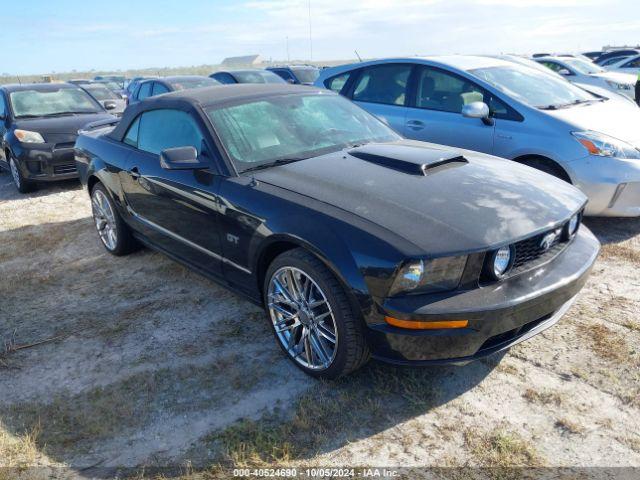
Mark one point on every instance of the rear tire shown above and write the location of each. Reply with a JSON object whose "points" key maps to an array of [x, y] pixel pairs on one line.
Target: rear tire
{"points": [[114, 233], [21, 184], [315, 306]]}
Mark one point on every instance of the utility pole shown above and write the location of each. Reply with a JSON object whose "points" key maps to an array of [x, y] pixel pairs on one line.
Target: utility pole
{"points": [[288, 57], [310, 37]]}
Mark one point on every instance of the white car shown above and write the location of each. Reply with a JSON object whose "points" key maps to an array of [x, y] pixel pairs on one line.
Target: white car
{"points": [[614, 96], [628, 65], [587, 73]]}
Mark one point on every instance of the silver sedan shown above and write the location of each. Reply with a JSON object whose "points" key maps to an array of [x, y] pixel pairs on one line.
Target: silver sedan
{"points": [[509, 110]]}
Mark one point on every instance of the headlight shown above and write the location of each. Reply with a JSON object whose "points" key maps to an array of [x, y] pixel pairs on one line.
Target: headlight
{"points": [[605, 146], [25, 136], [423, 276], [573, 225]]}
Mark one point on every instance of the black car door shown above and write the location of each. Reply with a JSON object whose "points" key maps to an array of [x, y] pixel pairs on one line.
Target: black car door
{"points": [[175, 209]]}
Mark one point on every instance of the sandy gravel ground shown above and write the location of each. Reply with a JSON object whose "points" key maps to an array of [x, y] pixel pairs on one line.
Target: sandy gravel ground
{"points": [[143, 363]]}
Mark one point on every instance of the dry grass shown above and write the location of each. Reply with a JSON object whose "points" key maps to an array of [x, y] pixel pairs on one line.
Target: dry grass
{"points": [[19, 451], [325, 413], [542, 398], [75, 422], [633, 442], [616, 251], [569, 426], [608, 344], [500, 448]]}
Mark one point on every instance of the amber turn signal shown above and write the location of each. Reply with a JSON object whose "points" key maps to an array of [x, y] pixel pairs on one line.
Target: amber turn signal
{"points": [[590, 146], [417, 325]]}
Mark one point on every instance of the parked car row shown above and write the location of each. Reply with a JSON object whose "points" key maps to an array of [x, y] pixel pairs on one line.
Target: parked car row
{"points": [[41, 121], [390, 211]]}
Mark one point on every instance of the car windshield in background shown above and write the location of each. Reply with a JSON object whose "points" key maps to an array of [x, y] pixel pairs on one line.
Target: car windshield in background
{"points": [[306, 75], [258, 77], [533, 87], [190, 83], [583, 67], [34, 103], [112, 85], [100, 92], [299, 127]]}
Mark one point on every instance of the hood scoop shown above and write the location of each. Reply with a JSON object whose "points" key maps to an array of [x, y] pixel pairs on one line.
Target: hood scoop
{"points": [[412, 160]]}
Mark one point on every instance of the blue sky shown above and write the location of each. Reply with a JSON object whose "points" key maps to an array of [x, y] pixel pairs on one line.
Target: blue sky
{"points": [[41, 36]]}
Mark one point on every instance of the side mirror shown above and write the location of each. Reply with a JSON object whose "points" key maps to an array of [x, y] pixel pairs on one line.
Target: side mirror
{"points": [[181, 158], [476, 110], [110, 105], [564, 72]]}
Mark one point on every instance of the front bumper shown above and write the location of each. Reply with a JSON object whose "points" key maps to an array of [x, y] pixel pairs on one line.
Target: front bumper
{"points": [[612, 185], [500, 315], [46, 161]]}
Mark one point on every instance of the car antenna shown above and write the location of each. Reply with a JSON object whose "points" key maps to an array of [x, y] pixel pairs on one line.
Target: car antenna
{"points": [[357, 55]]}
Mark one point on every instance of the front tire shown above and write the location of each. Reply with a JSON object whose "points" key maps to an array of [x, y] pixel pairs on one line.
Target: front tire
{"points": [[21, 184], [546, 166], [113, 232], [311, 316]]}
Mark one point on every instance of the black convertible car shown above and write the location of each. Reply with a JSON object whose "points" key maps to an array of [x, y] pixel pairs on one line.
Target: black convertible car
{"points": [[356, 241]]}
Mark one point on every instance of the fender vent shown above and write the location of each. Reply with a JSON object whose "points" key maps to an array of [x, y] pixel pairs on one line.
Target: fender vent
{"points": [[412, 160]]}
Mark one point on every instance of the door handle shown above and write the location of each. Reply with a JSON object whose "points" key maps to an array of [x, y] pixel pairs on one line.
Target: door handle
{"points": [[415, 124], [134, 172]]}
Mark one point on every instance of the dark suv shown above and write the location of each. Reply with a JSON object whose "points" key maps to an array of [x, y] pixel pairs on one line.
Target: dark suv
{"points": [[39, 124], [158, 86], [298, 75]]}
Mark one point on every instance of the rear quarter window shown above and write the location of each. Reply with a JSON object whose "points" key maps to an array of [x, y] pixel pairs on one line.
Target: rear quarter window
{"points": [[337, 82], [145, 90], [131, 138]]}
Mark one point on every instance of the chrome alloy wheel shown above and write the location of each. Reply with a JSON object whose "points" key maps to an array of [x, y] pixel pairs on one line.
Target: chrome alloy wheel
{"points": [[105, 219], [302, 318], [14, 172]]}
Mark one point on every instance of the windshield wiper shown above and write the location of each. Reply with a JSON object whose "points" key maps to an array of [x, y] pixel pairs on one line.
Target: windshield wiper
{"points": [[76, 113], [45, 115], [282, 161], [567, 105]]}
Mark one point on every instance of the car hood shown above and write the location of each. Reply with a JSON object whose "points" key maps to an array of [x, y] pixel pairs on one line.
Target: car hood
{"points": [[466, 202], [619, 120], [619, 77], [60, 129]]}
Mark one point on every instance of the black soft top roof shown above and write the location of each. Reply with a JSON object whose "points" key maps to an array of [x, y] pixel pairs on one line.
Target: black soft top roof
{"points": [[209, 96], [40, 87], [191, 100]]}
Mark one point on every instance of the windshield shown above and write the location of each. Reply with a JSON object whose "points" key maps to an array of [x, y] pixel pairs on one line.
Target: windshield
{"points": [[306, 75], [293, 127], [583, 67], [612, 61], [112, 86], [188, 83], [100, 92], [34, 103], [533, 87], [257, 77]]}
